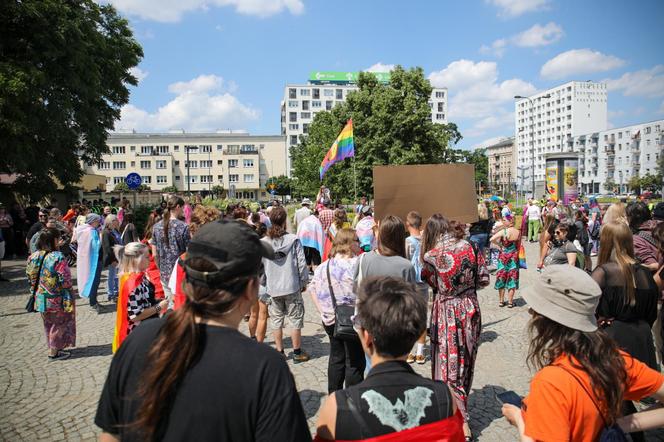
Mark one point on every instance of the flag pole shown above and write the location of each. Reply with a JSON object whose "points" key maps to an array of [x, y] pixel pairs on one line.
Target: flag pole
{"points": [[354, 179]]}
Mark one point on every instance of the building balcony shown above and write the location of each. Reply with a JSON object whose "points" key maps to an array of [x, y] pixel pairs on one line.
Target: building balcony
{"points": [[611, 166], [240, 151]]}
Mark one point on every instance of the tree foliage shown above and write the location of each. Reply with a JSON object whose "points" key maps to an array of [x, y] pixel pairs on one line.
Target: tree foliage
{"points": [[282, 185], [217, 190], [170, 189], [121, 187], [647, 182], [64, 74], [392, 125]]}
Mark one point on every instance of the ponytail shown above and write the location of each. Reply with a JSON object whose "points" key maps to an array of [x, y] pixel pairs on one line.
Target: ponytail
{"points": [[171, 204]]}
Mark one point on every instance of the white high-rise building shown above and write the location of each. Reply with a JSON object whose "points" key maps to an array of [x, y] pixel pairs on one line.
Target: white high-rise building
{"points": [[324, 90], [609, 158], [548, 121]]}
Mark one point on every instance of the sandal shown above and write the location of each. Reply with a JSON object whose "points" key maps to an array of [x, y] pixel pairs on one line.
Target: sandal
{"points": [[510, 305], [501, 304]]}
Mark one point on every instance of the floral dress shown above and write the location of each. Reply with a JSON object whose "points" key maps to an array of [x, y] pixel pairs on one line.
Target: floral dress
{"points": [[451, 269], [54, 297], [507, 276]]}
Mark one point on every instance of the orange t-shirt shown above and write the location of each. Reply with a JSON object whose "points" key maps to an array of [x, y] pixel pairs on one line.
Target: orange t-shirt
{"points": [[558, 409]]}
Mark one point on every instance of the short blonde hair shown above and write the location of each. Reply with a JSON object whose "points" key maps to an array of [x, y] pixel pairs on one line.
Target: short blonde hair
{"points": [[482, 211], [109, 220], [129, 255]]}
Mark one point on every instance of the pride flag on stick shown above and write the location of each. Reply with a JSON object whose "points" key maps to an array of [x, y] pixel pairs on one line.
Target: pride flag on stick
{"points": [[343, 147]]}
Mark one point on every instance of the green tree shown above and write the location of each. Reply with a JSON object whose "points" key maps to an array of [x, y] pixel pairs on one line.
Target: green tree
{"points": [[610, 185], [170, 189], [64, 74], [392, 125], [217, 190], [143, 188], [650, 182], [121, 187], [281, 184], [634, 184]]}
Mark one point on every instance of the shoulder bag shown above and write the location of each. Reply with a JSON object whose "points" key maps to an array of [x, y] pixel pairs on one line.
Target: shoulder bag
{"points": [[30, 306], [343, 324], [610, 433]]}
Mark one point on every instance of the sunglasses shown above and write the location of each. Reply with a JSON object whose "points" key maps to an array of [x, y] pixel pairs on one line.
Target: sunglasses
{"points": [[559, 232]]}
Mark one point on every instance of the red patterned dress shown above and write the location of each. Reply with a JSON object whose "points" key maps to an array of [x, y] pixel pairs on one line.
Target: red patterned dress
{"points": [[450, 268]]}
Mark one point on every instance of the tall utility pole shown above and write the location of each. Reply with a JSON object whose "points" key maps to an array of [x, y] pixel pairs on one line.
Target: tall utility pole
{"points": [[532, 136]]}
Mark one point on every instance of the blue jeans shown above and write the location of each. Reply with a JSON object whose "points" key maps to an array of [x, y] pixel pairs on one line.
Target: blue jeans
{"points": [[112, 282], [481, 240]]}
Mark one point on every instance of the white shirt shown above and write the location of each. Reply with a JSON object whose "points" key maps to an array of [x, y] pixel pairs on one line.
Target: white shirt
{"points": [[534, 212]]}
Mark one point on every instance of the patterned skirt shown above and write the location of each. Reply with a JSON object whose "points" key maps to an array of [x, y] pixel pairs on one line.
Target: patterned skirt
{"points": [[456, 325], [507, 276], [60, 329]]}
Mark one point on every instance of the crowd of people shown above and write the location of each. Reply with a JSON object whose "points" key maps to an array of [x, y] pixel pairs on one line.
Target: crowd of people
{"points": [[181, 289]]}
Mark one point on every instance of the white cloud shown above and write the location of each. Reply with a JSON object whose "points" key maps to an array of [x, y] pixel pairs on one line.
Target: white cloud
{"points": [[488, 142], [514, 8], [380, 67], [643, 83], [199, 105], [172, 10], [661, 108], [536, 36], [500, 119], [615, 114], [577, 62], [476, 92], [139, 73]]}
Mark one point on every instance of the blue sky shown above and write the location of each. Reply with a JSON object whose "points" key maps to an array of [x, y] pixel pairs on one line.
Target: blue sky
{"points": [[223, 64]]}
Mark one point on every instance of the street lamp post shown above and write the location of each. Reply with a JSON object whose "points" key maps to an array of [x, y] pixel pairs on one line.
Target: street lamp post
{"points": [[532, 135]]}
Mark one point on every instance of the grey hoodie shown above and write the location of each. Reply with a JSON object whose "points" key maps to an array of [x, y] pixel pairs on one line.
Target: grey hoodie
{"points": [[287, 273]]}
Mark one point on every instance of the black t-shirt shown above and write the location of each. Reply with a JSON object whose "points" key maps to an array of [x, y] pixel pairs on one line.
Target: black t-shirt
{"points": [[392, 398], [239, 390], [36, 227]]}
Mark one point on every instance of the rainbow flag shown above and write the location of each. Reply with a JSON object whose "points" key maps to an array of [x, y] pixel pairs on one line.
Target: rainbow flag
{"points": [[343, 147]]}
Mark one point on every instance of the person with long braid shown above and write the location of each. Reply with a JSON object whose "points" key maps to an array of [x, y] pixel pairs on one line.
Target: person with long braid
{"points": [[192, 375]]}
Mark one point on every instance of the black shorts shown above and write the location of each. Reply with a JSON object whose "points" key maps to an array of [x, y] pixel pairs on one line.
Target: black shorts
{"points": [[312, 256]]}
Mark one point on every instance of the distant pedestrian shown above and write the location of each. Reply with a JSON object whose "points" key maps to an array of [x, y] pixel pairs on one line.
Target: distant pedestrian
{"points": [[366, 229], [534, 223], [414, 255], [301, 213], [479, 231], [89, 259], [111, 237], [311, 235], [51, 285], [507, 275]]}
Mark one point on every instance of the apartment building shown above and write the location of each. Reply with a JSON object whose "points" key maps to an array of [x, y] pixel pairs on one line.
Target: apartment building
{"points": [[325, 90], [614, 156], [549, 121], [502, 165], [239, 162]]}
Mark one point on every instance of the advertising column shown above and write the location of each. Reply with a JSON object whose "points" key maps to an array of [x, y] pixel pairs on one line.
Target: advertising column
{"points": [[570, 181], [552, 179]]}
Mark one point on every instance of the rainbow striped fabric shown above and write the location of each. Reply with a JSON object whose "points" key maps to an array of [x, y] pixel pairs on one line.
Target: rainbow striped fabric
{"points": [[343, 147]]}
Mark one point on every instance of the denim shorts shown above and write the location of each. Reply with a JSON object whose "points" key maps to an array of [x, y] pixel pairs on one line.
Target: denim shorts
{"points": [[288, 306]]}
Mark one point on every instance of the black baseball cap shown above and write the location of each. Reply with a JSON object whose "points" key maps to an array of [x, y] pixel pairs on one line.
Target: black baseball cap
{"points": [[233, 247]]}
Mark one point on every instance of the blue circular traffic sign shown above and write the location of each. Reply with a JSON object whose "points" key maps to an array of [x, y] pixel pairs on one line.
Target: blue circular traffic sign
{"points": [[134, 181]]}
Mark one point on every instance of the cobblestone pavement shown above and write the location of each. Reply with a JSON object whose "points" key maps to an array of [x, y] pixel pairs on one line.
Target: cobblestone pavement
{"points": [[57, 400]]}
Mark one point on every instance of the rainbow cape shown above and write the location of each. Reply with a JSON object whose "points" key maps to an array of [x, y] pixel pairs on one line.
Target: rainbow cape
{"points": [[128, 283], [343, 147]]}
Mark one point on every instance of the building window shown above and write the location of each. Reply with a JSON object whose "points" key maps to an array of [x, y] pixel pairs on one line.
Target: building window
{"points": [[207, 148], [146, 164], [292, 92], [220, 178], [248, 177], [232, 163], [176, 162], [118, 179], [206, 178], [162, 150], [305, 105], [206, 163], [440, 94], [328, 93], [292, 117], [316, 93], [339, 94], [441, 107], [328, 105], [647, 130], [233, 178], [146, 150], [293, 140], [176, 148], [162, 179], [292, 103], [119, 165], [147, 179], [118, 149], [220, 162], [220, 147], [440, 116], [191, 164], [293, 126], [132, 149], [316, 104], [248, 163], [305, 128], [304, 92], [160, 164], [177, 177], [305, 115], [191, 149], [133, 164], [193, 179], [104, 165]]}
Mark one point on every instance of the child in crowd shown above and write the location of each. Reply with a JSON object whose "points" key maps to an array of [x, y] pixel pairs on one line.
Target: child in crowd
{"points": [[413, 245]]}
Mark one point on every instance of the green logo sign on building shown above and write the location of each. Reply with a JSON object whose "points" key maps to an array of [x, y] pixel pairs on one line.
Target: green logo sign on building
{"points": [[344, 77]]}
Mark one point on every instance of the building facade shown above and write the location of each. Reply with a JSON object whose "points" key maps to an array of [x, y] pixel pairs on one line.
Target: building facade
{"points": [[239, 162], [502, 166], [549, 121], [325, 90], [609, 158]]}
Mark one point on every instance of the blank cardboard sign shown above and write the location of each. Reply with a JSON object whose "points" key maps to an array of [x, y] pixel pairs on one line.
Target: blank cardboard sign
{"points": [[428, 188]]}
